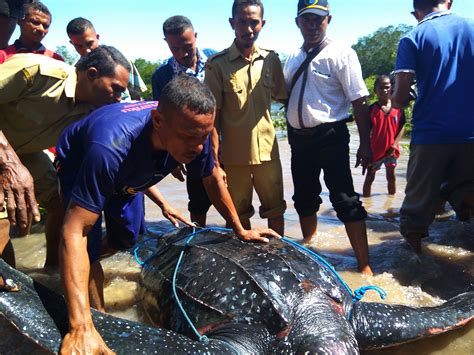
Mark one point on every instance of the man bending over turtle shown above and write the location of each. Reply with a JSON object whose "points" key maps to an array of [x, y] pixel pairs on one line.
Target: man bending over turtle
{"points": [[104, 161]]}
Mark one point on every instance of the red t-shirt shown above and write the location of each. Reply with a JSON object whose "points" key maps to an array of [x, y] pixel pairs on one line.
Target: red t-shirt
{"points": [[13, 49], [384, 129]]}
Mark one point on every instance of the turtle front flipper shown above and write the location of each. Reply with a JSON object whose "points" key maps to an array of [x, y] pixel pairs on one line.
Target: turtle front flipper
{"points": [[379, 325], [34, 320]]}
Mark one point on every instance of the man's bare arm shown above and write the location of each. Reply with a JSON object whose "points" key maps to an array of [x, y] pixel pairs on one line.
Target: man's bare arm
{"points": [[362, 118], [75, 268], [215, 147], [17, 188], [401, 95], [168, 211]]}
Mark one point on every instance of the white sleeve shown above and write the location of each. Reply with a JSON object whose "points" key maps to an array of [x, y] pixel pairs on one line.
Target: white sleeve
{"points": [[349, 74]]}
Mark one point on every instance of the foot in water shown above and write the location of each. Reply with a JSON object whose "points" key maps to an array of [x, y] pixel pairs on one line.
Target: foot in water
{"points": [[366, 270], [8, 285]]}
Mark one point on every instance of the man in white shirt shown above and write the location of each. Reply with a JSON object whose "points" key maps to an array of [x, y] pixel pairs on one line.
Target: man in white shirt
{"points": [[318, 109]]}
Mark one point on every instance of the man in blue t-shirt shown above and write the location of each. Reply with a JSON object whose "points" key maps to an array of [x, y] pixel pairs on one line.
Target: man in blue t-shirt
{"points": [[439, 54], [104, 160], [187, 59]]}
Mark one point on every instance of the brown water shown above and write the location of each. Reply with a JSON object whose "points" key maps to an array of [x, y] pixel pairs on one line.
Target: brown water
{"points": [[445, 269]]}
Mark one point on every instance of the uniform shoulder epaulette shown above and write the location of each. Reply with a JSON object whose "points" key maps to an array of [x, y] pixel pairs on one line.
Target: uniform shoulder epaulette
{"points": [[218, 54], [55, 71], [266, 52]]}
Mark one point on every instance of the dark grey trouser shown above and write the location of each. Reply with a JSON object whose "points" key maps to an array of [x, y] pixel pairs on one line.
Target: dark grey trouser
{"points": [[428, 167]]}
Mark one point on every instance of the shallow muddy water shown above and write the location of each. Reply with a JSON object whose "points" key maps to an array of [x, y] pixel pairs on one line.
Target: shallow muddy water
{"points": [[445, 269]]}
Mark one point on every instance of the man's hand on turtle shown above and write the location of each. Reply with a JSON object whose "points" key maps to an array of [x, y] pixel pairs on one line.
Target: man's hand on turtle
{"points": [[174, 216], [258, 235], [84, 341]]}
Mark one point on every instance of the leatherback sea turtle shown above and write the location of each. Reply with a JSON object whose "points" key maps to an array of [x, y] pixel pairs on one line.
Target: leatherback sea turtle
{"points": [[246, 298], [299, 301]]}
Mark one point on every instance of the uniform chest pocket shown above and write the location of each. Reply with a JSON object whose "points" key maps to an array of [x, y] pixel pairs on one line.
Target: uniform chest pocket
{"points": [[235, 96], [268, 82]]}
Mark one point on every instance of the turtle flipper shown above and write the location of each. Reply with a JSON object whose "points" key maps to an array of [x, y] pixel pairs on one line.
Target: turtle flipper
{"points": [[34, 320], [379, 325], [320, 327]]}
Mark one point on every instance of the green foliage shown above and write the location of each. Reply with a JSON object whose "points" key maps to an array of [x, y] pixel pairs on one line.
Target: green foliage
{"points": [[377, 51], [146, 70], [69, 57], [279, 120]]}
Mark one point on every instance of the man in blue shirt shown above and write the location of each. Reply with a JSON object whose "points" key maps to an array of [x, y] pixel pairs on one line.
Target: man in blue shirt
{"points": [[187, 59], [104, 160], [439, 53]]}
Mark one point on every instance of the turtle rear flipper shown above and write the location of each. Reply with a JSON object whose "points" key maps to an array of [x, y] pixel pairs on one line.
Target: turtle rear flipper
{"points": [[379, 325], [244, 338], [320, 327]]}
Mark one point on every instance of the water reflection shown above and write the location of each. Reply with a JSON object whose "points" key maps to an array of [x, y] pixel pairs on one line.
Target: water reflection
{"points": [[445, 269]]}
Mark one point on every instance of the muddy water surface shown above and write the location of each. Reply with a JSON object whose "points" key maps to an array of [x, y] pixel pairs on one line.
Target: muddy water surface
{"points": [[445, 269]]}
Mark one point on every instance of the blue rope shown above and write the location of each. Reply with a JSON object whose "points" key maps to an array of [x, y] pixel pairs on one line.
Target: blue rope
{"points": [[358, 294], [202, 338], [138, 247]]}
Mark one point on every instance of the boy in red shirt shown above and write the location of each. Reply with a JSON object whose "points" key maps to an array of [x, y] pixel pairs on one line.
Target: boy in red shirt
{"points": [[387, 127]]}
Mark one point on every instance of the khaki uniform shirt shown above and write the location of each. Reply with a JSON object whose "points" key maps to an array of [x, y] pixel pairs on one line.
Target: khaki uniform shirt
{"points": [[244, 89], [37, 101]]}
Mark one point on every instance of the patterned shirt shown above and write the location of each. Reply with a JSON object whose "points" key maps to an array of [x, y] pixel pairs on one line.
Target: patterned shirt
{"points": [[167, 71], [200, 65]]}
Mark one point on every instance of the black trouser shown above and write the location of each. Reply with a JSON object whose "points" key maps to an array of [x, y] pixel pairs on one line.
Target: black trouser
{"points": [[325, 147]]}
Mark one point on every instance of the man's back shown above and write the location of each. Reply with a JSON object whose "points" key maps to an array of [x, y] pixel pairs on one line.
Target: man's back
{"points": [[440, 50], [37, 101]]}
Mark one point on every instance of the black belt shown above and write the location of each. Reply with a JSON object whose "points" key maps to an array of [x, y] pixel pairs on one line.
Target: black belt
{"points": [[307, 132]]}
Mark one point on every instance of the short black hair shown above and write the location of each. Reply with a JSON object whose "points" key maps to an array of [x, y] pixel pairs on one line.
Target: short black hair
{"points": [[238, 3], [176, 25], [426, 5], [185, 91], [78, 26], [379, 79], [38, 6], [105, 59]]}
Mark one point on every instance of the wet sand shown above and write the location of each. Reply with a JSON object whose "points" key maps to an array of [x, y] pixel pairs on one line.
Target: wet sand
{"points": [[445, 269]]}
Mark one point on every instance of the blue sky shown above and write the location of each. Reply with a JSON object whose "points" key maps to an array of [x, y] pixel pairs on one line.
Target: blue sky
{"points": [[134, 27]]}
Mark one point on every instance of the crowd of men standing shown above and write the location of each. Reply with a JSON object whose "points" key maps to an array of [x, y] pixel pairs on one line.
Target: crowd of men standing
{"points": [[213, 123]]}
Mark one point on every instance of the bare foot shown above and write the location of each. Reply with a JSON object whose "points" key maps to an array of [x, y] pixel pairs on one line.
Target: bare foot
{"points": [[366, 270], [306, 241]]}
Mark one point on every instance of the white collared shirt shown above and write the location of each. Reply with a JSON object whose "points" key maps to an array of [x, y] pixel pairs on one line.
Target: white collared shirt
{"points": [[334, 80]]}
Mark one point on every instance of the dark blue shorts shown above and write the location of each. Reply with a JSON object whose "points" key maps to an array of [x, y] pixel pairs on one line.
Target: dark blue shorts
{"points": [[324, 148], [124, 221], [199, 202]]}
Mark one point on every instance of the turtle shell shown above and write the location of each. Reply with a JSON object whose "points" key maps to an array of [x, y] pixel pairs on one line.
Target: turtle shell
{"points": [[222, 279]]}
